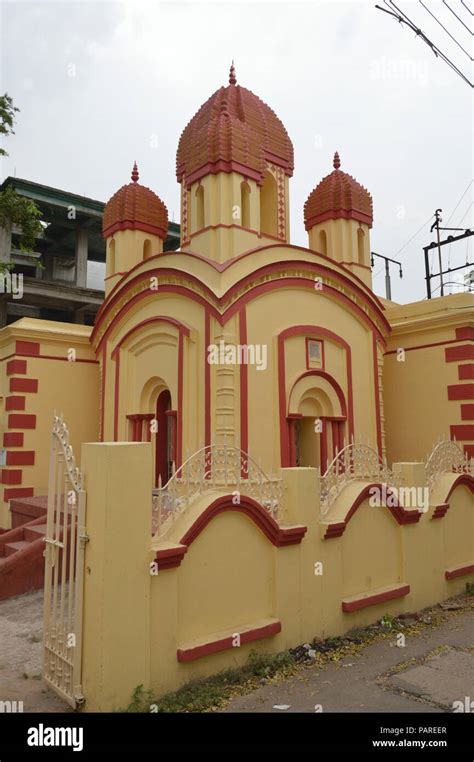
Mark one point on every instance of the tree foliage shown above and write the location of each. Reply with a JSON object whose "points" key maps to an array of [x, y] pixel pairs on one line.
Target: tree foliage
{"points": [[7, 118], [16, 209]]}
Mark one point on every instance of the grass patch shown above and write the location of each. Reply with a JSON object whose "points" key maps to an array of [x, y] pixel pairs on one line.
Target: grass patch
{"points": [[207, 694]]}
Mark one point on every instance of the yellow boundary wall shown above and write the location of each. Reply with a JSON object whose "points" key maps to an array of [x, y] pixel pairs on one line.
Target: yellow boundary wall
{"points": [[227, 575]]}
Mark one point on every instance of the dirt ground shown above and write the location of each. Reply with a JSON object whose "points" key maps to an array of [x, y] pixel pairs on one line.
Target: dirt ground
{"points": [[21, 626]]}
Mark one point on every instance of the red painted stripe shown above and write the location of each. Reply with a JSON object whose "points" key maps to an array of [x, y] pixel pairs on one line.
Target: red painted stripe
{"points": [[13, 439], [466, 333], [102, 400], [214, 646], [466, 372], [16, 366], [19, 421], [244, 425], [11, 494], [207, 380], [10, 476], [30, 348], [179, 433], [355, 604], [459, 571], [15, 403], [116, 397], [24, 385], [467, 412], [21, 458], [425, 346], [378, 422], [461, 392], [469, 450], [462, 352], [462, 432]]}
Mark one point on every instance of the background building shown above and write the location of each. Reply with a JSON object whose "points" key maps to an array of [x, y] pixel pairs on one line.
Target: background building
{"points": [[63, 278]]}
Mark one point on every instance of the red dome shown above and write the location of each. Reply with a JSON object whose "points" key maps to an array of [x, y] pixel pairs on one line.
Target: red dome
{"points": [[234, 131], [338, 195], [135, 207]]}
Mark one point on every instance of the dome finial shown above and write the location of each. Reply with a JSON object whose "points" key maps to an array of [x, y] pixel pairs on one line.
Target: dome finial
{"points": [[135, 172], [232, 77], [336, 161]]}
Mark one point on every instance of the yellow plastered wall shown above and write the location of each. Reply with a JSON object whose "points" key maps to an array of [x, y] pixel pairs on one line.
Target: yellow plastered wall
{"points": [[217, 227], [65, 386], [341, 243], [417, 409], [232, 577]]}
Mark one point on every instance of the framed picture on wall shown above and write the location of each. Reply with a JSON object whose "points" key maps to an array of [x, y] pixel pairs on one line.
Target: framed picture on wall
{"points": [[314, 353]]}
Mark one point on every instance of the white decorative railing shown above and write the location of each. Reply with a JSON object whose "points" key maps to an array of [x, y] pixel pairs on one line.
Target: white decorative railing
{"points": [[446, 457], [355, 462], [215, 467]]}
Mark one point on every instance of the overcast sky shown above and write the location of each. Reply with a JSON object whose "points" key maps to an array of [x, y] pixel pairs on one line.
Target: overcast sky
{"points": [[100, 84]]}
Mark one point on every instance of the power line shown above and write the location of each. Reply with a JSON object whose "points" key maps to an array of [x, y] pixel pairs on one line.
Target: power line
{"points": [[452, 213], [413, 236], [460, 20], [467, 8], [466, 213], [447, 32], [402, 18]]}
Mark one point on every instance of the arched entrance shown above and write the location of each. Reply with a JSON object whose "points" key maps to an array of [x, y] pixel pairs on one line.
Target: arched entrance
{"points": [[316, 420], [164, 438]]}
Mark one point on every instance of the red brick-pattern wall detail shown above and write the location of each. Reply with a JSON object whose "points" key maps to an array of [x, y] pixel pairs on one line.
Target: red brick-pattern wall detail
{"points": [[462, 353], [17, 371], [184, 213], [281, 204], [16, 366]]}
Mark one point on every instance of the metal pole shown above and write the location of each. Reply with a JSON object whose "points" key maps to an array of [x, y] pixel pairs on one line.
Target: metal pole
{"points": [[427, 271], [438, 220], [388, 289]]}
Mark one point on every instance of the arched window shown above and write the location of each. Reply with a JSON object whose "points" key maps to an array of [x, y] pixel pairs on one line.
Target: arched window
{"points": [[360, 246], [269, 206], [111, 258], [200, 208], [245, 205], [323, 243], [147, 249]]}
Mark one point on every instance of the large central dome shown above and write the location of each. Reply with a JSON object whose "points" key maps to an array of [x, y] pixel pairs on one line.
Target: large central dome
{"points": [[234, 131]]}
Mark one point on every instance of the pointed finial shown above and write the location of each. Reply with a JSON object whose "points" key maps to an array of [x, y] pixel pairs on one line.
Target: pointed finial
{"points": [[135, 172], [232, 77], [336, 161]]}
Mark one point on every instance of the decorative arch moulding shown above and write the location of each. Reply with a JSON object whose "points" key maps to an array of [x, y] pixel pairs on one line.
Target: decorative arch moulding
{"points": [[280, 537], [350, 280], [223, 308], [399, 512]]}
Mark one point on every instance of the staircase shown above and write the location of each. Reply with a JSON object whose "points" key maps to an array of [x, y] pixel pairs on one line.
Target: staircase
{"points": [[21, 548]]}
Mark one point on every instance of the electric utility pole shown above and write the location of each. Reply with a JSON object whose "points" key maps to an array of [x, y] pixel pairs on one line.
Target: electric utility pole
{"points": [[388, 285]]}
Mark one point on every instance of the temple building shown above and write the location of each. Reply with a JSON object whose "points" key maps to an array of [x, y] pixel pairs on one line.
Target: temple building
{"points": [[309, 359]]}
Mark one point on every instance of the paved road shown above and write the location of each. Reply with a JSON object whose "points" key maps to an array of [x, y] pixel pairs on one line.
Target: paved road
{"points": [[363, 683]]}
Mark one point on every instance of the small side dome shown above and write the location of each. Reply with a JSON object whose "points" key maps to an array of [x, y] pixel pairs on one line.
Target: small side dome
{"points": [[135, 207], [338, 195]]}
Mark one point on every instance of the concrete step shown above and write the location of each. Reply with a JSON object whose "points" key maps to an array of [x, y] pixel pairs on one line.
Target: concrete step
{"points": [[35, 532], [14, 547]]}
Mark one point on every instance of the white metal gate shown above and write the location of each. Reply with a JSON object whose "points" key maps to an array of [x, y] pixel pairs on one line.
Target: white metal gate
{"points": [[64, 570]]}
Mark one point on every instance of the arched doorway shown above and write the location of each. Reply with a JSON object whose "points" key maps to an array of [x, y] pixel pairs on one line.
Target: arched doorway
{"points": [[316, 420], [164, 438]]}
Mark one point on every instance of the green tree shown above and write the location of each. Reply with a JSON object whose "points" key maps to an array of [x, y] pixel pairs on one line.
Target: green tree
{"points": [[16, 209]]}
